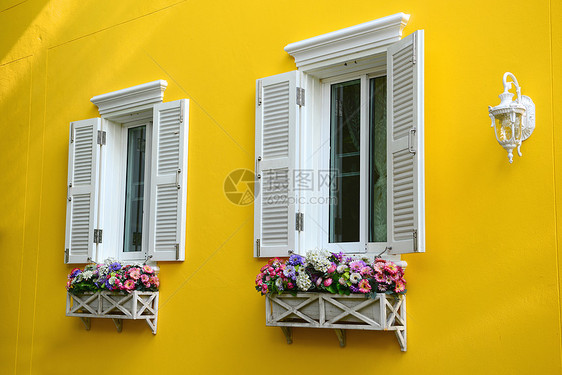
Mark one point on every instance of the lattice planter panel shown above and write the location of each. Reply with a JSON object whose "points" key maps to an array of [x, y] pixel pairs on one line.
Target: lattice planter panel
{"points": [[116, 306], [323, 310]]}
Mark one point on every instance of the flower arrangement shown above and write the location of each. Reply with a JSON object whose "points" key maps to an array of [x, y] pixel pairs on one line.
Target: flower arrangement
{"points": [[322, 271], [113, 276]]}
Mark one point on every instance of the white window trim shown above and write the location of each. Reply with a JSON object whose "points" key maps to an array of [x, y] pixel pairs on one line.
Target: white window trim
{"points": [[371, 48], [119, 111], [130, 99], [132, 256], [353, 52], [324, 125], [359, 45]]}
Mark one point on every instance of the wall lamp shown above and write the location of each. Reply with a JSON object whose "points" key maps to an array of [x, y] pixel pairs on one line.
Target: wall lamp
{"points": [[513, 121]]}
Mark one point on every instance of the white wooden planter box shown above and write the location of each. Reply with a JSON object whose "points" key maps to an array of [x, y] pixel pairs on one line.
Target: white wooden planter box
{"points": [[114, 305], [324, 310]]}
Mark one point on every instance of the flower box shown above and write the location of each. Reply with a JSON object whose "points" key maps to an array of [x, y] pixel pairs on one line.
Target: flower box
{"points": [[135, 305], [338, 312]]}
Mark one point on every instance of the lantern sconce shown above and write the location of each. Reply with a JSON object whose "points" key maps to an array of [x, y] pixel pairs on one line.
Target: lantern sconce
{"points": [[513, 121]]}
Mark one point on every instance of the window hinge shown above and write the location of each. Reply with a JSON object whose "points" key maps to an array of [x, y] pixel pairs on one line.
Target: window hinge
{"points": [[177, 251], [71, 132], [300, 96], [102, 135], [415, 237], [258, 247], [299, 222], [181, 114], [98, 234], [414, 49], [259, 92], [66, 255]]}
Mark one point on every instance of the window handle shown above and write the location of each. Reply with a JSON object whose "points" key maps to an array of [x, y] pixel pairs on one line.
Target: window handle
{"points": [[68, 192], [411, 142], [178, 179]]}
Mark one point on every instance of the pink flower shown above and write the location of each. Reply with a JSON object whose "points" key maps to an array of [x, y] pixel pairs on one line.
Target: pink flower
{"points": [[327, 282], [367, 271], [391, 267], [264, 288], [332, 268], [129, 284], [144, 279], [364, 286], [134, 273], [400, 286], [68, 282], [380, 277], [319, 281], [155, 281], [146, 268], [147, 285], [290, 285]]}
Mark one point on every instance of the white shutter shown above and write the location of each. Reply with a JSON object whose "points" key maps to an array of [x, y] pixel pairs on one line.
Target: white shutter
{"points": [[168, 181], [405, 164], [82, 190], [277, 114]]}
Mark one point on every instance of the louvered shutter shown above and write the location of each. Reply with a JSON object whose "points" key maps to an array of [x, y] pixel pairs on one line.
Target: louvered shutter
{"points": [[276, 128], [405, 164], [168, 181], [82, 190]]}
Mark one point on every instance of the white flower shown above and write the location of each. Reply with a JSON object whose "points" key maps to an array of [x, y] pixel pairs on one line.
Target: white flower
{"points": [[303, 282], [342, 268], [87, 275], [355, 277], [319, 259], [279, 284]]}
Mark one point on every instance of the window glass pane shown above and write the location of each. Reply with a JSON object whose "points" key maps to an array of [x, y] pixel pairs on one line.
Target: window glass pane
{"points": [[134, 193], [345, 130], [377, 160]]}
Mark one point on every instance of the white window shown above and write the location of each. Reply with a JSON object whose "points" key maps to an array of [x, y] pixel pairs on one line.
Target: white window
{"points": [[339, 145], [127, 178]]}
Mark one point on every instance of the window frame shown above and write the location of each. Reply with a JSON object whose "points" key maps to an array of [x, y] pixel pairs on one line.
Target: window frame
{"points": [[120, 111], [359, 247], [373, 47], [141, 255]]}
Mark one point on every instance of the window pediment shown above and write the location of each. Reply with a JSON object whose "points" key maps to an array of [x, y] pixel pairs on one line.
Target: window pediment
{"points": [[130, 99], [349, 49]]}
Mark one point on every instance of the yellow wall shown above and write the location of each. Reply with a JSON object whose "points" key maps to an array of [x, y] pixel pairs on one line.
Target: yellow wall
{"points": [[483, 299]]}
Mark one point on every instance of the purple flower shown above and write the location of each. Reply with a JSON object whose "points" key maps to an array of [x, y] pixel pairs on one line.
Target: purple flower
{"points": [[115, 266], [356, 265], [289, 272], [354, 289], [75, 272], [296, 260], [338, 256]]}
